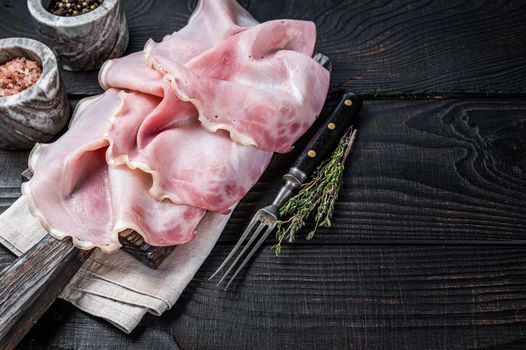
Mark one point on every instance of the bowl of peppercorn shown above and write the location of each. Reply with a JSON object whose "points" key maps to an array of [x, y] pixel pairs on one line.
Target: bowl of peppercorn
{"points": [[83, 33], [33, 103]]}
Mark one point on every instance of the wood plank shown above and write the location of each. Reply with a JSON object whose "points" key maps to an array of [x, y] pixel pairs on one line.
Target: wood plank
{"points": [[426, 172], [378, 47], [442, 171], [32, 283], [431, 170], [65, 327], [350, 298], [11, 165], [6, 257]]}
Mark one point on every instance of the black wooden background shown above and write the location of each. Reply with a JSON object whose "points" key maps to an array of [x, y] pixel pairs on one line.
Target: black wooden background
{"points": [[428, 248]]}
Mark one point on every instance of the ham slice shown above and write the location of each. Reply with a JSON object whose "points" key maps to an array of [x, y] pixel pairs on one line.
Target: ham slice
{"points": [[239, 75], [187, 125], [189, 165], [63, 194], [243, 83]]}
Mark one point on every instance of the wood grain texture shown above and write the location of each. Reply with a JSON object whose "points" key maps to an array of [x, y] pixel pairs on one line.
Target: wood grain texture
{"points": [[341, 297], [31, 284], [431, 188], [11, 166], [427, 171], [378, 47], [361, 298], [6, 257], [133, 244]]}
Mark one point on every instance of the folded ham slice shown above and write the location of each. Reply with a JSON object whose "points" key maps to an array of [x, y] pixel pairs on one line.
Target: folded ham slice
{"points": [[74, 191], [189, 165], [243, 83], [187, 125], [238, 77]]}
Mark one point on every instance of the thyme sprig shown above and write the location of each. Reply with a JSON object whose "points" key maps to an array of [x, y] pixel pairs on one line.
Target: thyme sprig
{"points": [[316, 199]]}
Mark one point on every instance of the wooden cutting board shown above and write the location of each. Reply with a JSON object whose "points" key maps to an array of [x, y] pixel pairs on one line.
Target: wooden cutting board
{"points": [[34, 281]]}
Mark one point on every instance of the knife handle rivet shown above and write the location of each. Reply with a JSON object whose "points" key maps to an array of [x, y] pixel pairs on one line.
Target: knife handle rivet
{"points": [[331, 126], [348, 103], [311, 153]]}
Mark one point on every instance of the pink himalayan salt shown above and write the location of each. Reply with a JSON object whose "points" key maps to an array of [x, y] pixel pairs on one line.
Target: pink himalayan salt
{"points": [[17, 75]]}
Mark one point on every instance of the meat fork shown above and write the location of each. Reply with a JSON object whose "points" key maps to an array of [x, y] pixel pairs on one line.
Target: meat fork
{"points": [[318, 148]]}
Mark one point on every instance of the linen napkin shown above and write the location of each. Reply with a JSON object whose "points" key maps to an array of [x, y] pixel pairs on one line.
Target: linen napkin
{"points": [[116, 286]]}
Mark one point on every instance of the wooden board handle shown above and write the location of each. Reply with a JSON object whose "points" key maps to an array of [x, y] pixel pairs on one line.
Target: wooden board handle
{"points": [[32, 283]]}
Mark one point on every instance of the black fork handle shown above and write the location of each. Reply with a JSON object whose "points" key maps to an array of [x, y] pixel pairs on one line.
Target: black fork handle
{"points": [[326, 139]]}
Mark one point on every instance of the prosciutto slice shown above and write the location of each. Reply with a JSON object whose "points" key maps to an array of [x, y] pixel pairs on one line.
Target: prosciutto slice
{"points": [[186, 126]]}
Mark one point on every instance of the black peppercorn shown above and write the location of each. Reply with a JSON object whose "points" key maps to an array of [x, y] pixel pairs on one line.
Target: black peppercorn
{"points": [[68, 8]]}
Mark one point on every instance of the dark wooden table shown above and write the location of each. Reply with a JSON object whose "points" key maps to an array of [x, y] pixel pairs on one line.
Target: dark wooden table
{"points": [[428, 248]]}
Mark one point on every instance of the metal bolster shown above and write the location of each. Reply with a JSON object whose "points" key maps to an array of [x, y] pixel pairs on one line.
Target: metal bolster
{"points": [[293, 181], [296, 174]]}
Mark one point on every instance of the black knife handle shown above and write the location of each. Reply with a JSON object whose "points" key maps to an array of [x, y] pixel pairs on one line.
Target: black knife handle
{"points": [[326, 139]]}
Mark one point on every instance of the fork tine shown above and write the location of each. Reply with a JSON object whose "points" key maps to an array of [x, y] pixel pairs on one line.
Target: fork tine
{"points": [[249, 243], [238, 244], [249, 255]]}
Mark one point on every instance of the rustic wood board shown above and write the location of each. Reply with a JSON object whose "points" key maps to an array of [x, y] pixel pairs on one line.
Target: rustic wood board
{"points": [[428, 246], [333, 297], [448, 171], [377, 47]]}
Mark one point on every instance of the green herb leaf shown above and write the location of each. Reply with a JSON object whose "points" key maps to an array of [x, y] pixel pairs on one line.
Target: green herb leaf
{"points": [[316, 198]]}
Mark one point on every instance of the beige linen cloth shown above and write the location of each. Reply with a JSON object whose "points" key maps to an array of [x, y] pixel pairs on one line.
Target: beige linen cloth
{"points": [[116, 286]]}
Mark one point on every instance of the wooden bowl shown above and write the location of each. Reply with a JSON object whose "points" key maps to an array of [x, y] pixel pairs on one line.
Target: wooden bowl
{"points": [[82, 42], [39, 112]]}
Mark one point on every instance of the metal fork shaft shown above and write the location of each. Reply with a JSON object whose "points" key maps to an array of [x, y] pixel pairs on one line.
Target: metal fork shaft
{"points": [[265, 217]]}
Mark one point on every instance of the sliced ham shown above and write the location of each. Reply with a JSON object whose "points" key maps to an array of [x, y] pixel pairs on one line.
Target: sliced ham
{"points": [[116, 73], [243, 83], [185, 126], [189, 165], [238, 77], [75, 193]]}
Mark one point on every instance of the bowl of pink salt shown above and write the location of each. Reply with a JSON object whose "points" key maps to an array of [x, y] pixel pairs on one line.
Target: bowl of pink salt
{"points": [[33, 103], [18, 75]]}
